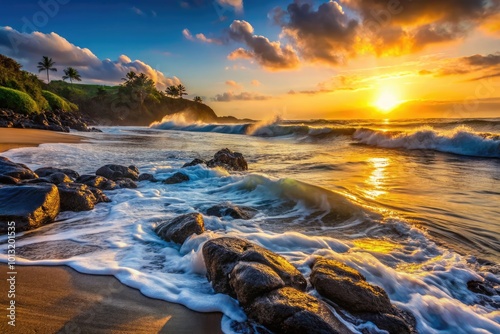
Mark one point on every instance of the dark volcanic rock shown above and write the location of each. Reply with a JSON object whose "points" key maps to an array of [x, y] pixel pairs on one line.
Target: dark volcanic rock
{"points": [[223, 254], [4, 179], [96, 181], [147, 177], [99, 195], [181, 228], [288, 310], [15, 170], [29, 206], [47, 171], [126, 183], [195, 162], [483, 288], [58, 178], [397, 322], [115, 172], [76, 197], [228, 209], [229, 160], [348, 288], [250, 280], [177, 178]]}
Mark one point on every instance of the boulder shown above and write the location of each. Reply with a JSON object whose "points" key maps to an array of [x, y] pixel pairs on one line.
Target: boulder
{"points": [[228, 209], [147, 177], [181, 228], [288, 310], [29, 206], [227, 159], [58, 178], [250, 280], [348, 288], [177, 178], [397, 322], [4, 179], [96, 181], [223, 254], [115, 172], [99, 195], [76, 197], [47, 171], [195, 162], [126, 183], [15, 170]]}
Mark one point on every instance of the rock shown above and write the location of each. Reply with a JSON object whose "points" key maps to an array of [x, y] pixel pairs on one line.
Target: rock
{"points": [[115, 172], [223, 254], [29, 206], [195, 162], [15, 170], [229, 160], [126, 183], [348, 288], [96, 181], [250, 280], [398, 322], [147, 177], [58, 178], [4, 179], [228, 209], [99, 195], [47, 171], [483, 288], [76, 197], [181, 228], [288, 310], [177, 178]]}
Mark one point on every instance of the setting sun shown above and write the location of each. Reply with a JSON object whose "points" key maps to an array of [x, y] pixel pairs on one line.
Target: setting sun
{"points": [[387, 101]]}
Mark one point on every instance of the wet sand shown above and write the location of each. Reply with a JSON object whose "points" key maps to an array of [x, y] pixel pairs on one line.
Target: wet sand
{"points": [[15, 138], [61, 300]]}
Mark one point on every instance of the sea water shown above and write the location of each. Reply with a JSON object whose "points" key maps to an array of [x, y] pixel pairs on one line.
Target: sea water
{"points": [[413, 205]]}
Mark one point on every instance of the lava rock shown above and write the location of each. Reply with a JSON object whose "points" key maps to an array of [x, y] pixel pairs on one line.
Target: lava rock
{"points": [[233, 211], [229, 160], [147, 177], [15, 170], [115, 172], [4, 179], [126, 183], [76, 197], [29, 206], [47, 171], [223, 254], [96, 181], [397, 322], [181, 228], [348, 288], [195, 162], [177, 178], [288, 310], [99, 195]]}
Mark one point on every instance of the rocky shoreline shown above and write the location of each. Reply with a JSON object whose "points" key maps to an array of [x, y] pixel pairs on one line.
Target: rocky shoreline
{"points": [[61, 121], [331, 298]]}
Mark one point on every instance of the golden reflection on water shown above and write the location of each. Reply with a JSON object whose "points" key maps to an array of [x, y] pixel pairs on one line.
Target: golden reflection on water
{"points": [[376, 180], [375, 246]]}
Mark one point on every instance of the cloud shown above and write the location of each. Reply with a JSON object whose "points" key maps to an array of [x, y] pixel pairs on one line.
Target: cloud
{"points": [[237, 5], [270, 55], [243, 96], [482, 66], [256, 83], [29, 48], [138, 11], [200, 37], [234, 84]]}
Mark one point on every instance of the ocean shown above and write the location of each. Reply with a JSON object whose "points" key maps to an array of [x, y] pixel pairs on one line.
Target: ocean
{"points": [[414, 205]]}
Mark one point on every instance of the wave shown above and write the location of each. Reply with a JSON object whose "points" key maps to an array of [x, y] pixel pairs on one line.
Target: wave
{"points": [[462, 140]]}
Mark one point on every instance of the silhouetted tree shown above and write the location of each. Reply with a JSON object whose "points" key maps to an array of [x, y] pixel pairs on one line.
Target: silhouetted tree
{"points": [[172, 91], [198, 99], [71, 74], [46, 65], [181, 90]]}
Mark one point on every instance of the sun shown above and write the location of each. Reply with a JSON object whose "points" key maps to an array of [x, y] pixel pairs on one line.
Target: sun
{"points": [[387, 101]]}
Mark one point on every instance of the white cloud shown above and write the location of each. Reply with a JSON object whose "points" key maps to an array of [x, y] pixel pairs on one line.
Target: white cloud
{"points": [[236, 4], [199, 37], [28, 49]]}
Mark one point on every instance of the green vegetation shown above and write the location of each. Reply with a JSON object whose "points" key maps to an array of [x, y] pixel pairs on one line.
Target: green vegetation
{"points": [[58, 103], [18, 101]]}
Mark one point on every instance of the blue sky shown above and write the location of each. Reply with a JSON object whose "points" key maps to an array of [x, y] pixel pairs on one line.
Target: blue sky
{"points": [[298, 58]]}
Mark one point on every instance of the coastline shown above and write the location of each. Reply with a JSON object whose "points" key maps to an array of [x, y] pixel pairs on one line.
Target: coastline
{"points": [[61, 300], [16, 138]]}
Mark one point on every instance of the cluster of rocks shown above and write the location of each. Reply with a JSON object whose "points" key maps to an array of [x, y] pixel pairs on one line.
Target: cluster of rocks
{"points": [[35, 198], [225, 158], [58, 120]]}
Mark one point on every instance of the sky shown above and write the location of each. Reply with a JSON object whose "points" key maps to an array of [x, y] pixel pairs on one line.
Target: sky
{"points": [[296, 59]]}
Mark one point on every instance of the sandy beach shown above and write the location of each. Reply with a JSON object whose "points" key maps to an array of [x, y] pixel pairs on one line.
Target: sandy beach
{"points": [[15, 138]]}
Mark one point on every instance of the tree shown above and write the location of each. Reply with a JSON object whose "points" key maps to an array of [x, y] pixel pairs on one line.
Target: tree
{"points": [[71, 74], [129, 77], [46, 65], [198, 99], [172, 91], [181, 90]]}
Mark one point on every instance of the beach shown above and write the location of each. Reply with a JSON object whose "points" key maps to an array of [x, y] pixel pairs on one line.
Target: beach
{"points": [[61, 300]]}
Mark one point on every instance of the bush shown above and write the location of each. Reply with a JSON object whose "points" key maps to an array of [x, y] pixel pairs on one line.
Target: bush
{"points": [[18, 101], [58, 103]]}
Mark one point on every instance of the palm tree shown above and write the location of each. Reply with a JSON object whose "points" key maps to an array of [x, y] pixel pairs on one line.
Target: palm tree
{"points": [[181, 90], [46, 65], [130, 76], [198, 99], [172, 91], [71, 74]]}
